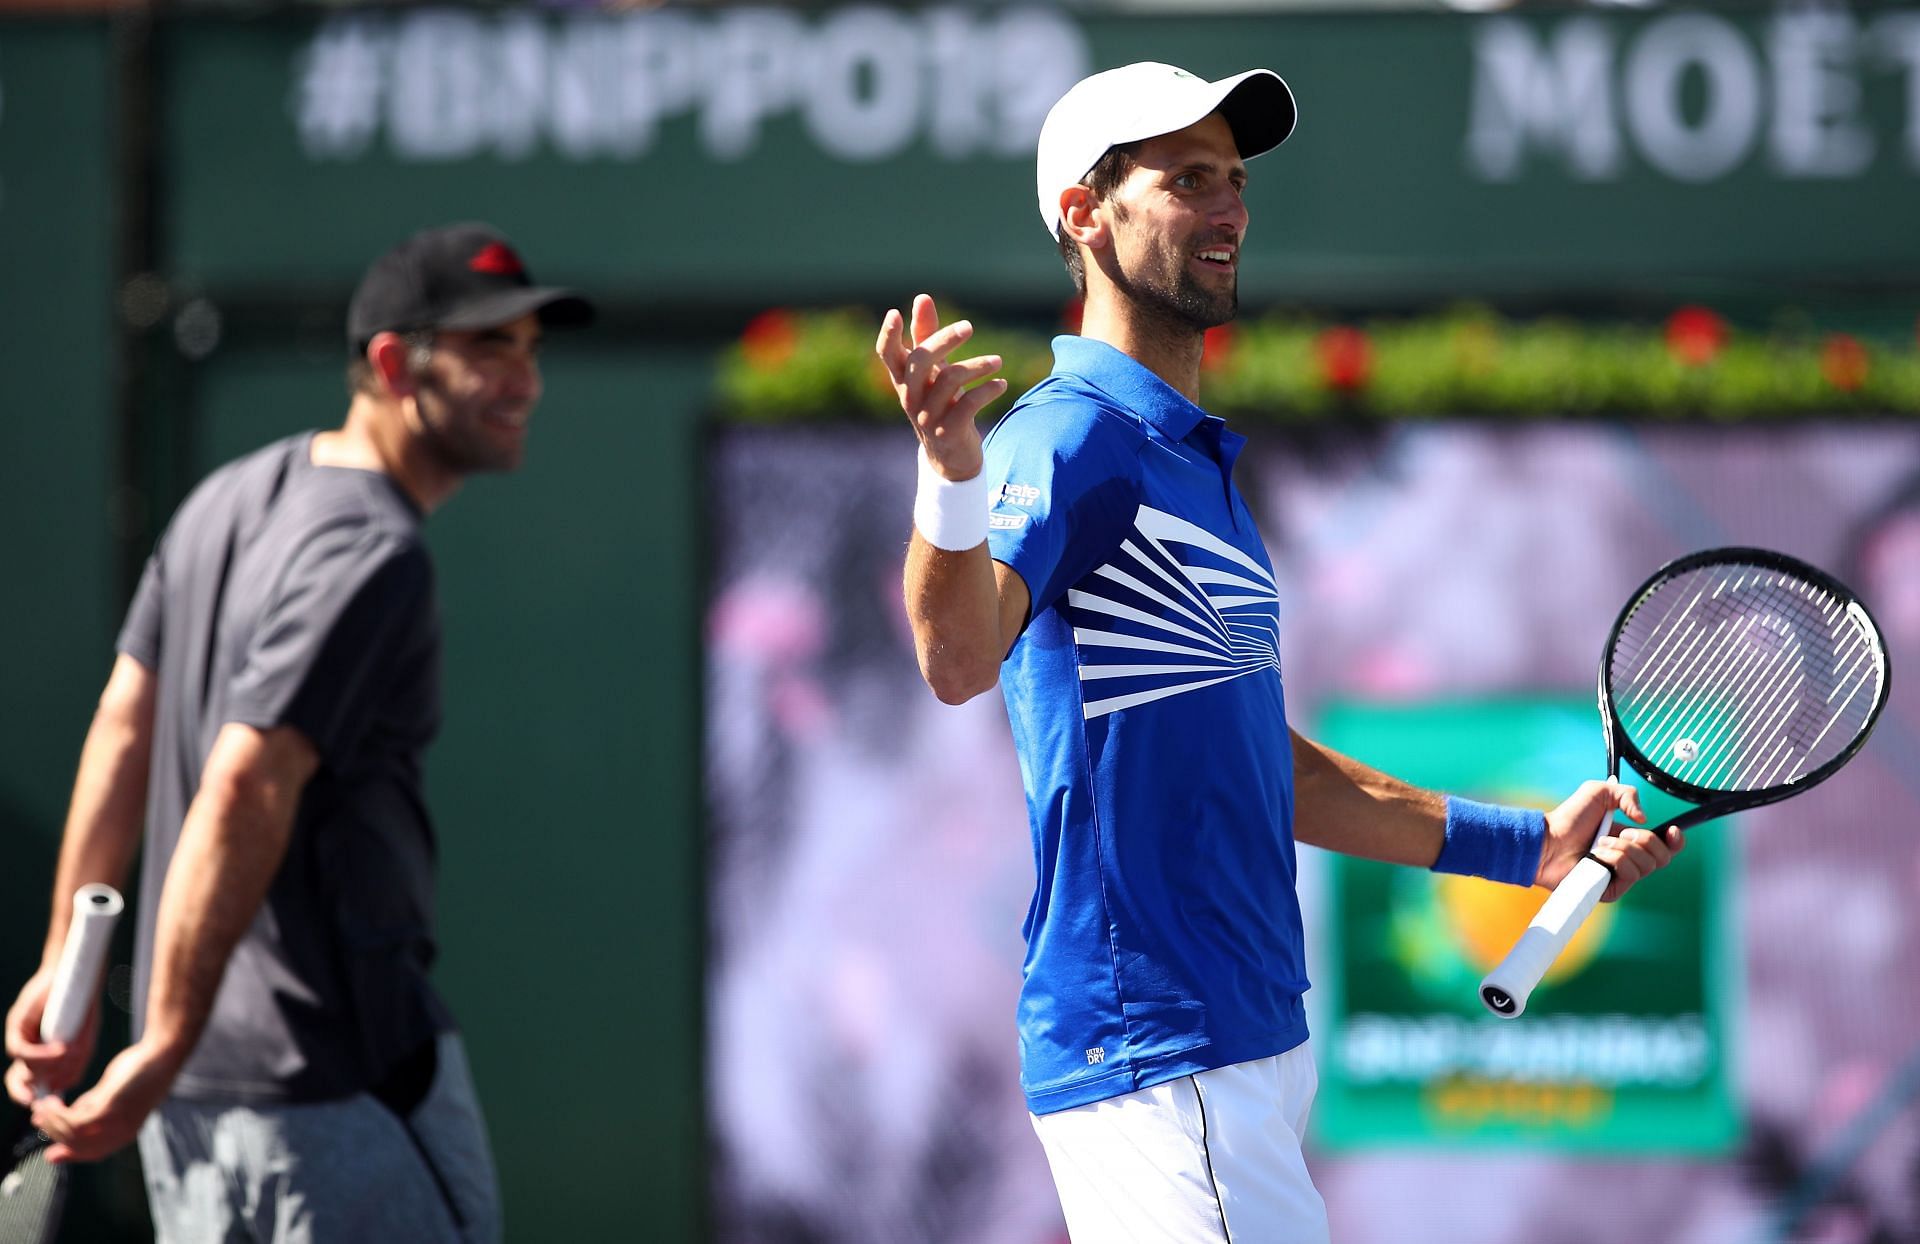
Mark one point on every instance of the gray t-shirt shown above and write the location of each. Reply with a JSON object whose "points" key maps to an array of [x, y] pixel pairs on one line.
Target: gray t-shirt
{"points": [[285, 593]]}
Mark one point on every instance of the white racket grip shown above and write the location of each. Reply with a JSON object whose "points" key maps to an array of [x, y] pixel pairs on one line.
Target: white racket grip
{"points": [[76, 980], [1506, 989]]}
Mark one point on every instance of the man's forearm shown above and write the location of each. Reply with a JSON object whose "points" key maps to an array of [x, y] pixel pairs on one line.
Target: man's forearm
{"points": [[108, 808], [1345, 806], [953, 603], [235, 835]]}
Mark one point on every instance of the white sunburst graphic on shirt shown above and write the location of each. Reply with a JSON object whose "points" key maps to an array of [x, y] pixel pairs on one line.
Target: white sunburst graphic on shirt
{"points": [[1179, 622]]}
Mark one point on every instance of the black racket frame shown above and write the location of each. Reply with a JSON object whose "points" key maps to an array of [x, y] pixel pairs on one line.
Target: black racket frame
{"points": [[1717, 803]]}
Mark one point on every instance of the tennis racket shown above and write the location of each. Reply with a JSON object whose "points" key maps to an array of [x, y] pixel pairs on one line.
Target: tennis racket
{"points": [[33, 1192], [1733, 678]]}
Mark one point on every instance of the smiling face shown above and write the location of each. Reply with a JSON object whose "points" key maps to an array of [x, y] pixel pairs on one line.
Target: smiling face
{"points": [[476, 392], [1178, 222]]}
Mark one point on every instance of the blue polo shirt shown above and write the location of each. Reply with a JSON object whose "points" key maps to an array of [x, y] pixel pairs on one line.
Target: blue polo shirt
{"points": [[1164, 935]]}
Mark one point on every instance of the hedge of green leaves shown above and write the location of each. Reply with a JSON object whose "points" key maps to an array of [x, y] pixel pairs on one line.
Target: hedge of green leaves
{"points": [[793, 366]]}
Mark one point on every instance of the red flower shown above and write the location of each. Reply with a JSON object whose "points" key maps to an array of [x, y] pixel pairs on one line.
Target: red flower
{"points": [[1695, 336], [1217, 347], [769, 340], [1844, 362], [1346, 359]]}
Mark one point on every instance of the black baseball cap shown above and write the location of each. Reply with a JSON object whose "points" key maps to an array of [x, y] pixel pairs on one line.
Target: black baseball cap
{"points": [[462, 276]]}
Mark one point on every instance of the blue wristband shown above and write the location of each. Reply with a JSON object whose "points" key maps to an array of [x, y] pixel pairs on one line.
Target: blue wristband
{"points": [[1491, 841]]}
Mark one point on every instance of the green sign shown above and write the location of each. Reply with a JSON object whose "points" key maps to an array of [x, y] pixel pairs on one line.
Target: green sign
{"points": [[1625, 1046], [755, 155]]}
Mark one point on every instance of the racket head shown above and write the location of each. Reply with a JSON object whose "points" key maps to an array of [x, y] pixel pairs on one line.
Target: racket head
{"points": [[33, 1193], [1735, 677]]}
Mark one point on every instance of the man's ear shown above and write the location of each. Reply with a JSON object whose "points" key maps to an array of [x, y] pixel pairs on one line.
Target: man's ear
{"points": [[389, 356], [1083, 219]]}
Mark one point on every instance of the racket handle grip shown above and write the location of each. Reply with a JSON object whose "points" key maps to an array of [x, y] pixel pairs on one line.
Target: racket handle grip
{"points": [[77, 977], [1506, 989]]}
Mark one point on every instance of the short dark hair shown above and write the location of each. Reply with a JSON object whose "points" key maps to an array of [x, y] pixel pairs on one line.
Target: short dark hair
{"points": [[360, 376], [1101, 180]]}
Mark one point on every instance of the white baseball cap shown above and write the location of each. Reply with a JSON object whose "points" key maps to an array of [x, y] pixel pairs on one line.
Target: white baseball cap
{"points": [[1147, 100]]}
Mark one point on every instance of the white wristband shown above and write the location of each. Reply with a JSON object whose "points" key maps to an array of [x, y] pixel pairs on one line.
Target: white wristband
{"points": [[949, 514]]}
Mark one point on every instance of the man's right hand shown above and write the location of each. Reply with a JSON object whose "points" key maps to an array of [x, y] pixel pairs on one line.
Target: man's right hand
{"points": [[50, 1066], [934, 392]]}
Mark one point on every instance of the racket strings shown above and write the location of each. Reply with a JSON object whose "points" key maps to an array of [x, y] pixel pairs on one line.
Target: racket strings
{"points": [[1747, 650], [29, 1192], [1738, 678], [1748, 664], [1757, 685]]}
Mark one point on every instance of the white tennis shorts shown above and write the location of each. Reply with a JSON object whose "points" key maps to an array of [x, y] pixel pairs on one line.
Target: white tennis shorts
{"points": [[1212, 1158]]}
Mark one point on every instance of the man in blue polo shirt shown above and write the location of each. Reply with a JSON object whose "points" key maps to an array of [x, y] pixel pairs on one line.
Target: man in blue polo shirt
{"points": [[1093, 557]]}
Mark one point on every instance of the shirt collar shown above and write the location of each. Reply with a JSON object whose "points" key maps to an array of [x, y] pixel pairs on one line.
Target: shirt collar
{"points": [[1128, 382]]}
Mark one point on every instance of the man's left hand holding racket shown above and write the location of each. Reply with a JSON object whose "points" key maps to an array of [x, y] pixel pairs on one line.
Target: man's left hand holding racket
{"points": [[50, 1034], [1583, 824]]}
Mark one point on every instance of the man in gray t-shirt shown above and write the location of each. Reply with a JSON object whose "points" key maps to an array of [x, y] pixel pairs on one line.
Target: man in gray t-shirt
{"points": [[293, 1073]]}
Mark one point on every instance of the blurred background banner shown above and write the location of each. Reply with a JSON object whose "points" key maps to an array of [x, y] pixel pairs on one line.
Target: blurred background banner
{"points": [[691, 789], [775, 154]]}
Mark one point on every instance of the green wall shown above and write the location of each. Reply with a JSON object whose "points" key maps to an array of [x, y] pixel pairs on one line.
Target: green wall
{"points": [[56, 410], [61, 601]]}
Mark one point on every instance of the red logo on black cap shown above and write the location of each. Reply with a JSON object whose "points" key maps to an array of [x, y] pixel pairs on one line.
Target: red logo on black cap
{"points": [[496, 260]]}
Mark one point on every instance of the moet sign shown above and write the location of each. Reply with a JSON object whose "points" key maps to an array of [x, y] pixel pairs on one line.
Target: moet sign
{"points": [[1692, 95]]}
